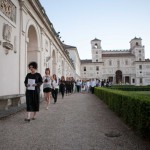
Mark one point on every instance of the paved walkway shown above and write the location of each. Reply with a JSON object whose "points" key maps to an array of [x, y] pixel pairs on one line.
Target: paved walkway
{"points": [[77, 122]]}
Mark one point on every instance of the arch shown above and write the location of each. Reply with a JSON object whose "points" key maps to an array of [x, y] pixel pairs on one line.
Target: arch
{"points": [[32, 47], [53, 62], [32, 43], [118, 76]]}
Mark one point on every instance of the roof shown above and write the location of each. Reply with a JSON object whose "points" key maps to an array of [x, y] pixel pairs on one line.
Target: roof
{"points": [[136, 38], [118, 55], [147, 60], [86, 61], [96, 40], [68, 46]]}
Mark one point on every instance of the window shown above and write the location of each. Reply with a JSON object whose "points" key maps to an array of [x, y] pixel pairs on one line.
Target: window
{"points": [[96, 52], [118, 63], [141, 80], [137, 43], [97, 68], [96, 46], [140, 66], [139, 51], [96, 60], [126, 62], [133, 80], [84, 68], [110, 63], [140, 59]]}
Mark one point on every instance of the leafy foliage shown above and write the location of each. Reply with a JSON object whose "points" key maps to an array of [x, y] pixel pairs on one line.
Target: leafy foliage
{"points": [[132, 107]]}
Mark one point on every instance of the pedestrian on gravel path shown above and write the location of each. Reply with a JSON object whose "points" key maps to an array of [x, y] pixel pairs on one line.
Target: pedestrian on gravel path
{"points": [[47, 87], [33, 81], [55, 86]]}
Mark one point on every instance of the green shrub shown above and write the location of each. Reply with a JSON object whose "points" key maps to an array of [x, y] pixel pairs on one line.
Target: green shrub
{"points": [[130, 88], [133, 108]]}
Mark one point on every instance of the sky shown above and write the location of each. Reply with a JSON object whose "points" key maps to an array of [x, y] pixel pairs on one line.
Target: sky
{"points": [[114, 22]]}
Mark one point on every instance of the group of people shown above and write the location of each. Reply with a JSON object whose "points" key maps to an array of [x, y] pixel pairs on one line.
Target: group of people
{"points": [[51, 86]]}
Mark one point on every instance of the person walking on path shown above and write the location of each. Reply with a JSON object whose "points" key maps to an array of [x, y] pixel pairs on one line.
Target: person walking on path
{"points": [[93, 84], [78, 86], [55, 86], [62, 86], [47, 87], [67, 86], [33, 81]]}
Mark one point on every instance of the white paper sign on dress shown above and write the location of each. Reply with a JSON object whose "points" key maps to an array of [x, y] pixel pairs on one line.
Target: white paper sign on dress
{"points": [[31, 82]]}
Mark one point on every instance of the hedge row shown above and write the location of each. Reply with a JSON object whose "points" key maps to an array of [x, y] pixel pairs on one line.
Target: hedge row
{"points": [[131, 88], [135, 110]]}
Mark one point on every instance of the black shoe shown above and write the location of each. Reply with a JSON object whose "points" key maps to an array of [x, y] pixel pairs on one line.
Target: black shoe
{"points": [[28, 120]]}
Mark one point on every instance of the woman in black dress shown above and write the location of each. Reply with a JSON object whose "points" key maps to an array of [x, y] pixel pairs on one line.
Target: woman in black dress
{"points": [[32, 82], [62, 86], [67, 86], [55, 86]]}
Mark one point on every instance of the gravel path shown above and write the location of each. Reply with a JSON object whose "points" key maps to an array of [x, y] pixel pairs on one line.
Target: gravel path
{"points": [[77, 122]]}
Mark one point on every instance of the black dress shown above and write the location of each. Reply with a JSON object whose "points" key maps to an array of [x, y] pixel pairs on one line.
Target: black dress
{"points": [[62, 87], [33, 96]]}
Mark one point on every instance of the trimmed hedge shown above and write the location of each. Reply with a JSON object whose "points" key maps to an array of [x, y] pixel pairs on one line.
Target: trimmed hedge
{"points": [[131, 88], [134, 109]]}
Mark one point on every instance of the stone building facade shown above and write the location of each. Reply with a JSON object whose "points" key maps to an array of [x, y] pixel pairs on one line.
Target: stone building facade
{"points": [[26, 34], [119, 66]]}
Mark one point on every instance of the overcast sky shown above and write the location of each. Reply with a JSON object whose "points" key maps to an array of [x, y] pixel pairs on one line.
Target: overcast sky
{"points": [[114, 22]]}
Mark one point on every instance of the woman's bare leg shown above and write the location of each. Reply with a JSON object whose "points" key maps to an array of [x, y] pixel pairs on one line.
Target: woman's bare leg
{"points": [[28, 115], [48, 99], [34, 114]]}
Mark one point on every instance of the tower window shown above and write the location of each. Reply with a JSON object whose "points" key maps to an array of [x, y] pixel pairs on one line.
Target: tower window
{"points": [[110, 63], [137, 43], [96, 46], [97, 68], [140, 66], [84, 68]]}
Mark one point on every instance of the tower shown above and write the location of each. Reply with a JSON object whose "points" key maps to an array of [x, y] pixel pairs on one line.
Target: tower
{"points": [[96, 50], [137, 49]]}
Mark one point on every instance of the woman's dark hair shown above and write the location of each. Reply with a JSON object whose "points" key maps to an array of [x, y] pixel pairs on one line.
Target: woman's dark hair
{"points": [[55, 77], [47, 69], [33, 64]]}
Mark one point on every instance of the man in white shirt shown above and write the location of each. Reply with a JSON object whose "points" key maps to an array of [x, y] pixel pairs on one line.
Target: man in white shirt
{"points": [[93, 84]]}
